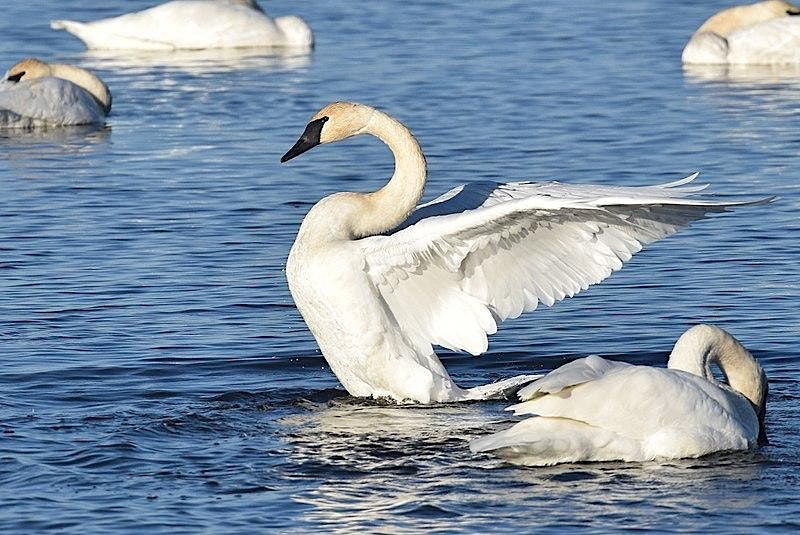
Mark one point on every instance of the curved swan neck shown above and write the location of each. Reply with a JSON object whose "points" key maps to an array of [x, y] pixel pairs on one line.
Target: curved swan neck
{"points": [[389, 206], [86, 80], [350, 216], [703, 345]]}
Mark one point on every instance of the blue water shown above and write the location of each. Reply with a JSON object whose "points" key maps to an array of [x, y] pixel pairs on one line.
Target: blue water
{"points": [[156, 376]]}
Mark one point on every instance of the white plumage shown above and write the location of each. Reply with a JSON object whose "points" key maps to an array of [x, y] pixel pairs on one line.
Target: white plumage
{"points": [[379, 284], [764, 33], [593, 409], [192, 24], [37, 94]]}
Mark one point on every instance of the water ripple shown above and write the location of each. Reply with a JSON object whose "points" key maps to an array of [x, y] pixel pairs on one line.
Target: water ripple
{"points": [[156, 376]]}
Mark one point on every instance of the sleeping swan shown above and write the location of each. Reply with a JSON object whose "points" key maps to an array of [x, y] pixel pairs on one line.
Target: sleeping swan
{"points": [[36, 94], [379, 280], [594, 409], [192, 24], [761, 33]]}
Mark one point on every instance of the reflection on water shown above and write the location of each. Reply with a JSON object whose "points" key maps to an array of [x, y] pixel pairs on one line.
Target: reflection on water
{"points": [[413, 464], [369, 451], [743, 74], [55, 135], [28, 150], [755, 96], [200, 61], [153, 357]]}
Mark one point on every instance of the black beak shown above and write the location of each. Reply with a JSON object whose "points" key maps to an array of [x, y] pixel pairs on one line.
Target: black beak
{"points": [[307, 141], [762, 435], [762, 416]]}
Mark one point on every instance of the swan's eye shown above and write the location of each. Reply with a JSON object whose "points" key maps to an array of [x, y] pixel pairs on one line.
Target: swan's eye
{"points": [[16, 77], [792, 12]]}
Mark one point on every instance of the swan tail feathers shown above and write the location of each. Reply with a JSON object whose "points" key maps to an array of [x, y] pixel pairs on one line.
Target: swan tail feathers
{"points": [[542, 441], [69, 25], [571, 374], [78, 29]]}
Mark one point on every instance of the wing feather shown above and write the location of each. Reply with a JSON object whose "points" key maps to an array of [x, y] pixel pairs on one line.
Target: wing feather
{"points": [[570, 374], [480, 256]]}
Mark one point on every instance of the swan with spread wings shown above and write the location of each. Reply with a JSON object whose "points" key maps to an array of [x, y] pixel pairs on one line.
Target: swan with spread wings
{"points": [[380, 280]]}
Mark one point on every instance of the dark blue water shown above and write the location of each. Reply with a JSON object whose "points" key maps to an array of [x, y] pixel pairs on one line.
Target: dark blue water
{"points": [[156, 376]]}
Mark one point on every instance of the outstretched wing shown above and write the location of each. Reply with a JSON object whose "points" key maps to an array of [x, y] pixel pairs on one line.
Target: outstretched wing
{"points": [[479, 255]]}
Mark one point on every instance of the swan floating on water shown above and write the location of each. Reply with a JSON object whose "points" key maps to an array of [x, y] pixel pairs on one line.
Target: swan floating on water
{"points": [[38, 94], [761, 33], [594, 409], [192, 24], [379, 282]]}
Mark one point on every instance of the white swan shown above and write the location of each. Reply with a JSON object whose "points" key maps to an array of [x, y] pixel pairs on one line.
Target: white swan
{"points": [[594, 409], [35, 94], [192, 24], [761, 33], [379, 283]]}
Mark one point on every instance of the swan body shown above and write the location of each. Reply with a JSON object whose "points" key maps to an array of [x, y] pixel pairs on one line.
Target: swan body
{"points": [[594, 409], [37, 94], [761, 33], [379, 282], [192, 24]]}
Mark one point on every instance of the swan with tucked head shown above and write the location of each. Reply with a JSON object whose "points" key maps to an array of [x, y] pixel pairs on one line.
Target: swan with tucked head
{"points": [[380, 280], [192, 25], [593, 409], [766, 32], [36, 93]]}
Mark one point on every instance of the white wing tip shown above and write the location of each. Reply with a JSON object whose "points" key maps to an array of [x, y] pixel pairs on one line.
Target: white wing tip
{"points": [[682, 181]]}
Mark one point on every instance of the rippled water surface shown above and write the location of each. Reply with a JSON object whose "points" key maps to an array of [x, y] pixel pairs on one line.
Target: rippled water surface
{"points": [[156, 375]]}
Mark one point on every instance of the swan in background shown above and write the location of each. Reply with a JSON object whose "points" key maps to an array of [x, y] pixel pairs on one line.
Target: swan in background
{"points": [[34, 94], [379, 282], [594, 409], [761, 33], [192, 24]]}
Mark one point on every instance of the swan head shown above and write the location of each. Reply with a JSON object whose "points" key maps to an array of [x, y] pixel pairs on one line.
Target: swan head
{"points": [[334, 122], [28, 69], [729, 20], [701, 346]]}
